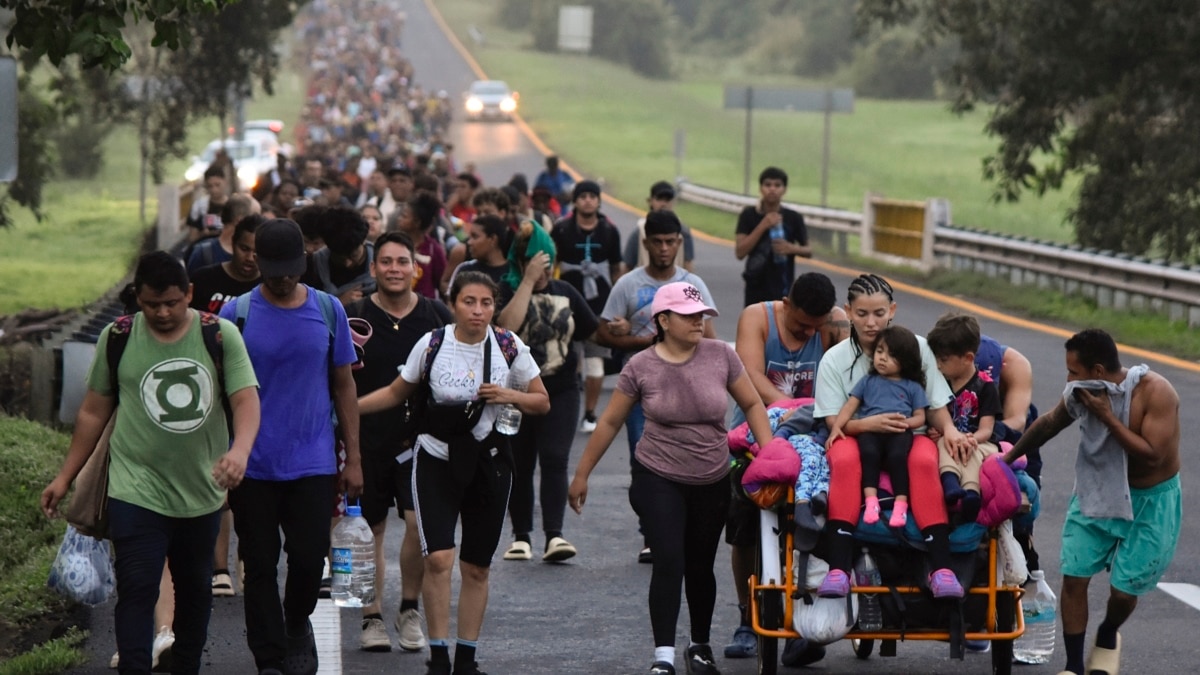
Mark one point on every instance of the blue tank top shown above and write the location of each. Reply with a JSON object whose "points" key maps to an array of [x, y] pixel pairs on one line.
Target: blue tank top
{"points": [[990, 358], [792, 372]]}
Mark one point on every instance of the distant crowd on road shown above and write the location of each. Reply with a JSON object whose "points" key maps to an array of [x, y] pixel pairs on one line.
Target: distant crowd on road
{"points": [[384, 316]]}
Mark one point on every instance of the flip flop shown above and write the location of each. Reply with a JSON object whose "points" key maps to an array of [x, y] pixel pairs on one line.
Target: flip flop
{"points": [[1104, 661], [520, 550]]}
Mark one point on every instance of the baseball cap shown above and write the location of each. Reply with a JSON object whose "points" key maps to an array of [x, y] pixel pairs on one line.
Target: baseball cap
{"points": [[279, 247], [663, 190], [585, 187], [679, 297], [399, 169]]}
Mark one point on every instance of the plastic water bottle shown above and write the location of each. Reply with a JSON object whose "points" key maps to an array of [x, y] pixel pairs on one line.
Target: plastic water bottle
{"points": [[1040, 606], [870, 613], [778, 233], [353, 563], [508, 420]]}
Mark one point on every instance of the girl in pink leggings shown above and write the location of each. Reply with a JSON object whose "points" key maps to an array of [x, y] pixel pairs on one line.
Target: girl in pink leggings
{"points": [[871, 309]]}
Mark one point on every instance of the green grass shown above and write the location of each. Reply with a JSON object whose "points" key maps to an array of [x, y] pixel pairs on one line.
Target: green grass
{"points": [[901, 149], [54, 656], [30, 455], [91, 234]]}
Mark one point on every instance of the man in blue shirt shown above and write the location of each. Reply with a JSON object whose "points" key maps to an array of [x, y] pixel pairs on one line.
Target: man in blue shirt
{"points": [[299, 343]]}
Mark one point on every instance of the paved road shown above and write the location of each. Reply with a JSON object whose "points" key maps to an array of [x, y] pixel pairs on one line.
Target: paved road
{"points": [[589, 616]]}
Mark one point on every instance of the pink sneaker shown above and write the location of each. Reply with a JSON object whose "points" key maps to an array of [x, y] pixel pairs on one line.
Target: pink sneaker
{"points": [[944, 584], [835, 585]]}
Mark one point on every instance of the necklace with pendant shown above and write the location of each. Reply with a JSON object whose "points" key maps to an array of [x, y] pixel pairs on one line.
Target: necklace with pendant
{"points": [[468, 359], [393, 319]]}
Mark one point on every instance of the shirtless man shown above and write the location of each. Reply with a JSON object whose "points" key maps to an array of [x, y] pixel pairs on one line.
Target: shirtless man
{"points": [[1126, 509]]}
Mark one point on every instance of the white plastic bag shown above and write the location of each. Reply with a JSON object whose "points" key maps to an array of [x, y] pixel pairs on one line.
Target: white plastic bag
{"points": [[1011, 567], [825, 620], [83, 569]]}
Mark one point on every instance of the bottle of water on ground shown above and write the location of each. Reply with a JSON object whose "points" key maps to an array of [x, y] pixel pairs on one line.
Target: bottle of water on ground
{"points": [[1040, 606], [353, 563], [778, 233], [870, 613], [508, 420]]}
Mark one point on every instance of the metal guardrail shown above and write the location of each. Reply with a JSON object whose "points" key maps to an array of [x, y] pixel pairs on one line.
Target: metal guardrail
{"points": [[1113, 280]]}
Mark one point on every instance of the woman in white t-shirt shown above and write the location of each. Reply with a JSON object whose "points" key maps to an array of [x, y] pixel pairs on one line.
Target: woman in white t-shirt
{"points": [[680, 486], [462, 470]]}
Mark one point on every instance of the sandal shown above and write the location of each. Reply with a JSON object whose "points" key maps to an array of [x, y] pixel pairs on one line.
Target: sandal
{"points": [[1104, 661], [558, 550], [520, 550]]}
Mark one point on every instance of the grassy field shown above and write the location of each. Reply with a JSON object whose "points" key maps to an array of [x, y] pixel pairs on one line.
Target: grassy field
{"points": [[901, 149], [92, 231]]}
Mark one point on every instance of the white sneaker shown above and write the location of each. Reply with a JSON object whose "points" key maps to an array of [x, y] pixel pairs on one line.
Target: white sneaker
{"points": [[374, 636], [408, 626], [588, 425], [160, 653]]}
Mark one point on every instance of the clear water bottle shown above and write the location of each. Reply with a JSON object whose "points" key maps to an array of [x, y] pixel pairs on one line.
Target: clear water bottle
{"points": [[1040, 606], [778, 233], [870, 613], [353, 563], [508, 420]]}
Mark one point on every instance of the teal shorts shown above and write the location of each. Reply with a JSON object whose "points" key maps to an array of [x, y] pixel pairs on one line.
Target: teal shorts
{"points": [[1136, 552]]}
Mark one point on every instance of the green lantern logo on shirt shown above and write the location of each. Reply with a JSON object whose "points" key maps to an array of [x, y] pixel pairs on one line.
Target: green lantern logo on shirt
{"points": [[177, 395]]}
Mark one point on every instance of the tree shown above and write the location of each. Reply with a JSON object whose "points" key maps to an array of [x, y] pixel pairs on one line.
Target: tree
{"points": [[91, 30], [1107, 92]]}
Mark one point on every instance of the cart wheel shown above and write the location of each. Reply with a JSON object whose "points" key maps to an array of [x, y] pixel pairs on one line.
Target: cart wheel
{"points": [[768, 655], [862, 648]]}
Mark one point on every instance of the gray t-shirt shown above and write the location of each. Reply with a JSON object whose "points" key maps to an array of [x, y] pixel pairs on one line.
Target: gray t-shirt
{"points": [[685, 405], [632, 295]]}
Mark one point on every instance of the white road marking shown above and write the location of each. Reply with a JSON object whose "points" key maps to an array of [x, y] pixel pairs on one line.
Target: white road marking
{"points": [[327, 629], [1187, 593]]}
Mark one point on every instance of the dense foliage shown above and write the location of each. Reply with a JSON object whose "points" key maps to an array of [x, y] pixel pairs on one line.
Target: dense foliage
{"points": [[1103, 91]]}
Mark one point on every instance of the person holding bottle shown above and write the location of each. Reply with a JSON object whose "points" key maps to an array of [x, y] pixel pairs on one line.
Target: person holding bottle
{"points": [[769, 237], [463, 467]]}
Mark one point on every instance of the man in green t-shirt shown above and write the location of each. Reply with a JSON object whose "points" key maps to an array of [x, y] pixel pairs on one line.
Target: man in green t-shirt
{"points": [[170, 457]]}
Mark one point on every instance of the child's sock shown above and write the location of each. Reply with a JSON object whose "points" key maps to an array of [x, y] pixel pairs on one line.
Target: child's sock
{"points": [[899, 514], [970, 506], [871, 514], [952, 488]]}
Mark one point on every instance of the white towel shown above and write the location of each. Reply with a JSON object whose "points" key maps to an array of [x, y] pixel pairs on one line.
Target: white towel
{"points": [[1101, 465]]}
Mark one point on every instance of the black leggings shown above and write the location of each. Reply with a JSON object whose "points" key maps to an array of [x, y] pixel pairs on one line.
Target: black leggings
{"points": [[885, 450], [682, 524], [545, 440]]}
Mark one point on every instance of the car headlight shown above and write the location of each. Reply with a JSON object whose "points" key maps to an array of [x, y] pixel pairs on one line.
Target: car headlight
{"points": [[247, 176], [474, 105], [508, 105]]}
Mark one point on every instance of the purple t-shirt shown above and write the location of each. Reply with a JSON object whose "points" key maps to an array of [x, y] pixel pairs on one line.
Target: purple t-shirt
{"points": [[685, 404]]}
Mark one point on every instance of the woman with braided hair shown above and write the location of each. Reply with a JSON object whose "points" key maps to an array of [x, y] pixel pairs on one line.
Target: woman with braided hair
{"points": [[871, 309]]}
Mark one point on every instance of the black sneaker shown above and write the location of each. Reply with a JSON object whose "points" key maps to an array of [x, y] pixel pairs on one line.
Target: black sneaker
{"points": [[472, 669], [700, 661], [662, 668], [301, 655], [437, 668]]}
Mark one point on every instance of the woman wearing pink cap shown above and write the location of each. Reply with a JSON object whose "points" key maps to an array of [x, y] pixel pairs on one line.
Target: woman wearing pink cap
{"points": [[680, 485]]}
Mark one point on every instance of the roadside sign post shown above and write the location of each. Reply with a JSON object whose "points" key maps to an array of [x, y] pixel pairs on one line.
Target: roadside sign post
{"points": [[8, 119], [826, 101]]}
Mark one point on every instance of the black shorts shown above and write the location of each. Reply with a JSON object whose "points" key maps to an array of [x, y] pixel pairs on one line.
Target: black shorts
{"points": [[481, 503], [741, 526], [387, 482]]}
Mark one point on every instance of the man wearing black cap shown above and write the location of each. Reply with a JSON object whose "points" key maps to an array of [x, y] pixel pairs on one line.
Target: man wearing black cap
{"points": [[589, 254], [299, 343], [662, 198]]}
